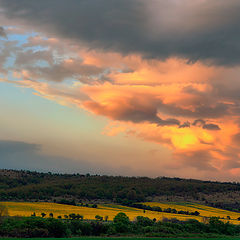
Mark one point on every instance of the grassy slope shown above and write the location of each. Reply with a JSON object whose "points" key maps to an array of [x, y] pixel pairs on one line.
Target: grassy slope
{"points": [[203, 210], [26, 209], [111, 210]]}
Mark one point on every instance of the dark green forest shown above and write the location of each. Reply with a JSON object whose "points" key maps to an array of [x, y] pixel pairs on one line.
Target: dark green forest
{"points": [[77, 188]]}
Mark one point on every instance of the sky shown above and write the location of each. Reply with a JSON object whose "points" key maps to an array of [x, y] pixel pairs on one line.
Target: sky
{"points": [[130, 87]]}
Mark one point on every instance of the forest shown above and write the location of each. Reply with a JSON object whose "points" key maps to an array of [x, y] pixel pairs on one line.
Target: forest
{"points": [[78, 188]]}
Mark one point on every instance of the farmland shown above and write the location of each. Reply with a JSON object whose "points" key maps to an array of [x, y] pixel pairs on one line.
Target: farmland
{"points": [[111, 210], [60, 220], [203, 210]]}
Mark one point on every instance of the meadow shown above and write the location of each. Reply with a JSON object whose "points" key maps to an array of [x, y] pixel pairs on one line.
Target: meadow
{"points": [[111, 210]]}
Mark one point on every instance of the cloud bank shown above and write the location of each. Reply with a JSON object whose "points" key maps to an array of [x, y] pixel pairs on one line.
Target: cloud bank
{"points": [[164, 72], [199, 30]]}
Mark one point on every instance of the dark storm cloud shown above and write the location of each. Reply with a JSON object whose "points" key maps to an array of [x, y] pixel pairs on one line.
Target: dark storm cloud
{"points": [[195, 30]]}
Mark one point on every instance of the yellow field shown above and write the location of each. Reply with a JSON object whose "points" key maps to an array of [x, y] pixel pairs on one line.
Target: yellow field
{"points": [[110, 210], [26, 209], [202, 209]]}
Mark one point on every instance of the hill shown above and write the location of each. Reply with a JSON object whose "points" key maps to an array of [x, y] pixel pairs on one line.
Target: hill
{"points": [[77, 188], [109, 211]]}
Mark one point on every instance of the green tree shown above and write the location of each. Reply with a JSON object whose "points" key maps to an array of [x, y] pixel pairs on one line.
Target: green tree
{"points": [[3, 211], [98, 218], [122, 222], [43, 214]]}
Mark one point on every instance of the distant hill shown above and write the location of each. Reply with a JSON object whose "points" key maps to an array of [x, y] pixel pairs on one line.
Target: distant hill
{"points": [[77, 188]]}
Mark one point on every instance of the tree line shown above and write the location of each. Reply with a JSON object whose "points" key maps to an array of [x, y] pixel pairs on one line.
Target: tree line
{"points": [[120, 226], [159, 209]]}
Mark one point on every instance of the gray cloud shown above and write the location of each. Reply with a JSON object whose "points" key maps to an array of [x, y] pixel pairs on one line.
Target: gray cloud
{"points": [[201, 110], [211, 126], [202, 123], [2, 32], [200, 160], [198, 122], [22, 155], [185, 125], [131, 110], [199, 30]]}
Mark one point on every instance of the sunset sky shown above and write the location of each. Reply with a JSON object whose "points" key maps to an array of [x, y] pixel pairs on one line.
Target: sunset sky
{"points": [[121, 87]]}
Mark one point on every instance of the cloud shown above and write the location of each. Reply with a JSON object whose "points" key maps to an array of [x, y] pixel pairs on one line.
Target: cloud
{"points": [[170, 103], [204, 125], [211, 126], [2, 32], [200, 160], [134, 110], [184, 125], [22, 155], [199, 30]]}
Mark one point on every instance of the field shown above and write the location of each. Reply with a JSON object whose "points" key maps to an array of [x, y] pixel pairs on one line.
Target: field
{"points": [[27, 209], [203, 210], [111, 210]]}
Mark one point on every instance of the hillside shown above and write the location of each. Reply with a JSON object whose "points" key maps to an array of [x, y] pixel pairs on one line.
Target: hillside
{"points": [[109, 211], [76, 188]]}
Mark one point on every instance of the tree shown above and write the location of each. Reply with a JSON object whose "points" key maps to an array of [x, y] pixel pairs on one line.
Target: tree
{"points": [[78, 216], [196, 213], [122, 222], [98, 218], [3, 211], [144, 221], [72, 216], [121, 217]]}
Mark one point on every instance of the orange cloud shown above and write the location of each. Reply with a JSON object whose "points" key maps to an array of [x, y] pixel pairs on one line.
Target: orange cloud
{"points": [[188, 108]]}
